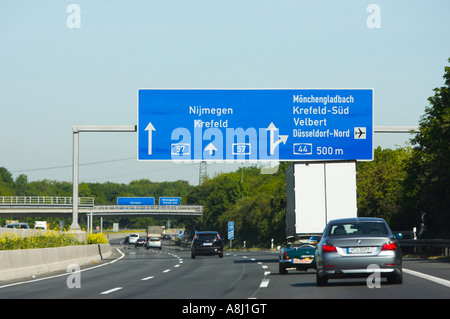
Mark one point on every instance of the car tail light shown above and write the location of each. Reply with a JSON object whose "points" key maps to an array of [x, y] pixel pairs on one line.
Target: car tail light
{"points": [[195, 237], [328, 249], [389, 246], [285, 255], [218, 237]]}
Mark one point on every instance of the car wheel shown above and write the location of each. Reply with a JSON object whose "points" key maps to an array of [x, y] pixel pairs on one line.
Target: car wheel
{"points": [[221, 255], [192, 255], [321, 280], [281, 269], [395, 279]]}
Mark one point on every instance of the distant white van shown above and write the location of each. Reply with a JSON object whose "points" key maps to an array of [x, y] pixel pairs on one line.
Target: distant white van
{"points": [[40, 225]]}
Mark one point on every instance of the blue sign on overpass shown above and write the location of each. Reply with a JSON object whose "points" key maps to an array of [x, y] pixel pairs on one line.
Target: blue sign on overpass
{"points": [[169, 201], [136, 201], [255, 124]]}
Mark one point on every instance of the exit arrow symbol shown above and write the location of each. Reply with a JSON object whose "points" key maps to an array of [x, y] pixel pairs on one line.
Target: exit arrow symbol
{"points": [[210, 147], [273, 144], [150, 128]]}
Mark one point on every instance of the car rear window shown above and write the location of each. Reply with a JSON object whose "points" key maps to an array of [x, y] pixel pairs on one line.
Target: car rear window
{"points": [[211, 236], [358, 229]]}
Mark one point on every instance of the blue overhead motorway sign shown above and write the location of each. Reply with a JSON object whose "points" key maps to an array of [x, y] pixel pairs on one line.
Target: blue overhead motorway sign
{"points": [[150, 201], [169, 201], [255, 124]]}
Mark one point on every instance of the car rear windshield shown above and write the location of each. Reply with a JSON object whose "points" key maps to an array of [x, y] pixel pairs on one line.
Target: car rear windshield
{"points": [[358, 229], [210, 236]]}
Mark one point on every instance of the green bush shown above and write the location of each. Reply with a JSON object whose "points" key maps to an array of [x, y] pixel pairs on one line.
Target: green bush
{"points": [[10, 241], [97, 239]]}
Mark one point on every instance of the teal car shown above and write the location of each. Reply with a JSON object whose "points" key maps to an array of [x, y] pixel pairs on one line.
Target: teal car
{"points": [[297, 256]]}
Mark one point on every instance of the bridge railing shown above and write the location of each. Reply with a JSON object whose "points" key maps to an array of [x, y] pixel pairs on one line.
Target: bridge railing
{"points": [[149, 207], [44, 200]]}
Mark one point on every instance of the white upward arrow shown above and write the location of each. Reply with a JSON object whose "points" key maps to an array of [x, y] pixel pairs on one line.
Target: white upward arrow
{"points": [[210, 147], [150, 128], [273, 144]]}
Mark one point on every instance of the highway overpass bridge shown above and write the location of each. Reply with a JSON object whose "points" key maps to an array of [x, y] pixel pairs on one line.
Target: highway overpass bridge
{"points": [[43, 206]]}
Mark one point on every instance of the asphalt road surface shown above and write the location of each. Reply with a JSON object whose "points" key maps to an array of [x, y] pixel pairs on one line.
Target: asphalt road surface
{"points": [[170, 273]]}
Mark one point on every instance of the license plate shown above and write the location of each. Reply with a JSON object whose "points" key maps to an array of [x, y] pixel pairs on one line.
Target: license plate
{"points": [[302, 261], [207, 244], [359, 250]]}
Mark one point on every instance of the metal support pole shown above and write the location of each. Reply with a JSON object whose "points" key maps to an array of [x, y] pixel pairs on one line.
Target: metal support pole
{"points": [[75, 225], [396, 129], [91, 224], [88, 128]]}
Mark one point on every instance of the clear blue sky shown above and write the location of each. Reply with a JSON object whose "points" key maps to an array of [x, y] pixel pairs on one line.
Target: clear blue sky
{"points": [[53, 76]]}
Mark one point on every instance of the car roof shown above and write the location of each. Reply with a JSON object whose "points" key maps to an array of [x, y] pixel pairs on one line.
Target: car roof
{"points": [[357, 220], [206, 232]]}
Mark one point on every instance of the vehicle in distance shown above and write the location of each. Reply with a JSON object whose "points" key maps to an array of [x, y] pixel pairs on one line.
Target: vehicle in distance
{"points": [[358, 247], [140, 242], [132, 238], [18, 225], [206, 243], [297, 256], [153, 242]]}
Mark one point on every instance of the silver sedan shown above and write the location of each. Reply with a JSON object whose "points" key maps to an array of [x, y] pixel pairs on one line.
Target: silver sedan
{"points": [[358, 247]]}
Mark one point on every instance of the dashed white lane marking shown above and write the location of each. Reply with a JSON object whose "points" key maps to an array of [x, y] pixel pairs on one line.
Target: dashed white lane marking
{"points": [[111, 290], [147, 278], [180, 261], [264, 283]]}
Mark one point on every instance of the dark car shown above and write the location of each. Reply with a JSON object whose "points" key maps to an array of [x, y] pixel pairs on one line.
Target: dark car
{"points": [[355, 247], [18, 225], [206, 243], [139, 242]]}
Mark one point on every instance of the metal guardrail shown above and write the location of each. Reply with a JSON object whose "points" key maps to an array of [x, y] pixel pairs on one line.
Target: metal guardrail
{"points": [[44, 200], [421, 245]]}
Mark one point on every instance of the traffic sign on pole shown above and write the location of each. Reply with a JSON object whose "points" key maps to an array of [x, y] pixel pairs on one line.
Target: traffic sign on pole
{"points": [[230, 230], [255, 124]]}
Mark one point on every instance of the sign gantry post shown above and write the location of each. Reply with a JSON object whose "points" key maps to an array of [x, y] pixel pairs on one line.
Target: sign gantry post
{"points": [[87, 128]]}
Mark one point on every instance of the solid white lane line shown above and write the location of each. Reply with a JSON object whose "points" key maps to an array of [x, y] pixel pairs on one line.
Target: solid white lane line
{"points": [[65, 274], [111, 290], [428, 277]]}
